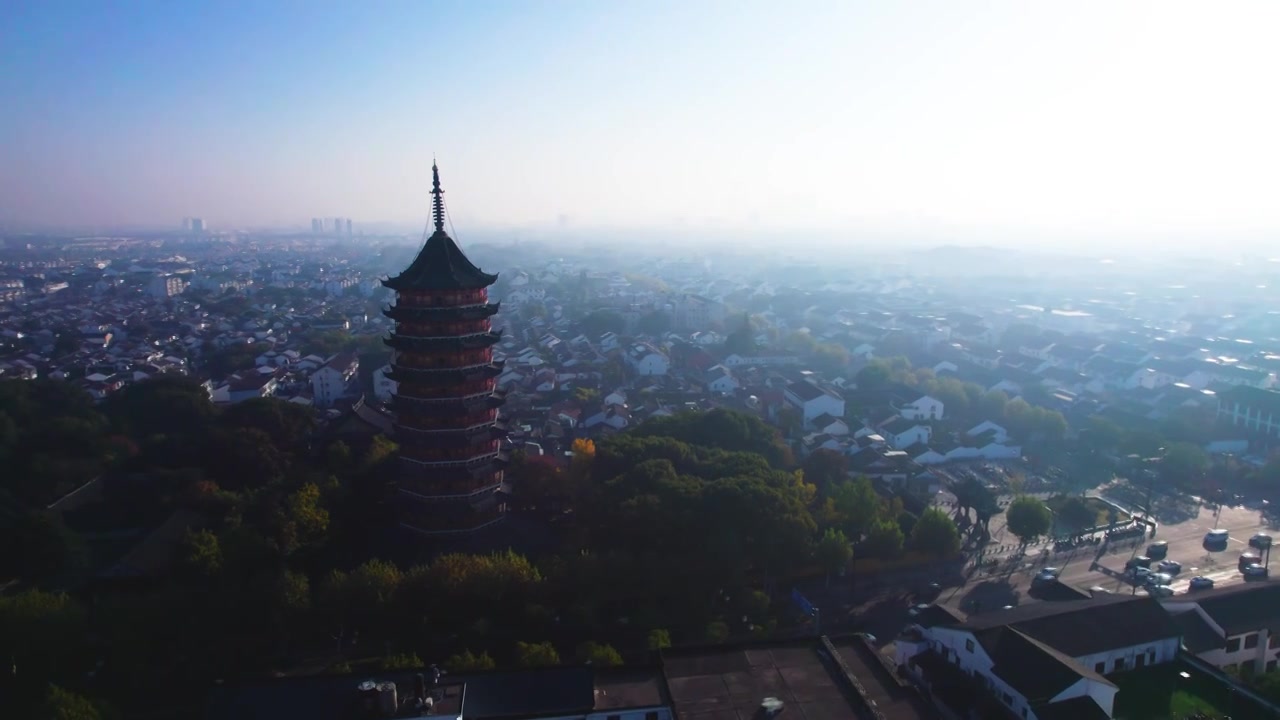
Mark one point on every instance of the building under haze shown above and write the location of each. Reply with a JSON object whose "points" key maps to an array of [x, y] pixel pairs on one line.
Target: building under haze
{"points": [[317, 225], [446, 401]]}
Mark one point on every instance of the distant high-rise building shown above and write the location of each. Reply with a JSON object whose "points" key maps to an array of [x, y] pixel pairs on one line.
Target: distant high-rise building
{"points": [[317, 225], [197, 226], [348, 227], [186, 224]]}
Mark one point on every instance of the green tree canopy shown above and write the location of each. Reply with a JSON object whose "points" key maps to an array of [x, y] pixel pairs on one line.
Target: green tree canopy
{"points": [[934, 533], [1028, 518], [833, 552], [1074, 514], [532, 655]]}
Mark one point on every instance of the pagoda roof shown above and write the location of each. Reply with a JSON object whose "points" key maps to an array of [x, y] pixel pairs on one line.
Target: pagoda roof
{"points": [[440, 264]]}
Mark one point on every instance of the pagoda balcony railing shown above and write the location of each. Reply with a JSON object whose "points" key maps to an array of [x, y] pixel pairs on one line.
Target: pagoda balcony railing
{"points": [[443, 360], [476, 461], [445, 393], [464, 522], [493, 424], [464, 337], [475, 368], [430, 491], [448, 423], [447, 329], [443, 298], [469, 397]]}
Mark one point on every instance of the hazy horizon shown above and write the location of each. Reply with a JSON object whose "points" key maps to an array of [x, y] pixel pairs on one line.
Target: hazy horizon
{"points": [[1122, 126]]}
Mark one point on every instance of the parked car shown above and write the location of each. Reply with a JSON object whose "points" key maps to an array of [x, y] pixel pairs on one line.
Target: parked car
{"points": [[1201, 582], [1255, 571], [1173, 567], [1216, 540], [1158, 550], [1247, 559], [1158, 578], [1049, 574], [1139, 561], [1262, 541], [1160, 591], [1139, 573]]}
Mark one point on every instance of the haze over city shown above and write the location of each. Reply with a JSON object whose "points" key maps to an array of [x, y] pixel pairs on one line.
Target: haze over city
{"points": [[1116, 125]]}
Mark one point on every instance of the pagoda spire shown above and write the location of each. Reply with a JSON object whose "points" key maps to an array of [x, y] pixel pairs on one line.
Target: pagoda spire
{"points": [[437, 198]]}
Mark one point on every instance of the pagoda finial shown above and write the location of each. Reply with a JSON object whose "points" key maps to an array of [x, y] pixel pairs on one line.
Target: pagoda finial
{"points": [[437, 197]]}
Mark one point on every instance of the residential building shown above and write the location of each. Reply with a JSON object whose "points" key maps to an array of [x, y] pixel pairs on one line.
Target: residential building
{"points": [[446, 401], [1041, 661], [645, 359], [720, 380], [922, 408], [330, 381], [811, 401]]}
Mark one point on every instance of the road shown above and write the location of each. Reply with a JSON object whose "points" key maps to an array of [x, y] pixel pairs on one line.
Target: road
{"points": [[1103, 565]]}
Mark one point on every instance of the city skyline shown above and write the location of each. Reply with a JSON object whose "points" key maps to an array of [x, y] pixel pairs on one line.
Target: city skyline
{"points": [[1132, 123]]}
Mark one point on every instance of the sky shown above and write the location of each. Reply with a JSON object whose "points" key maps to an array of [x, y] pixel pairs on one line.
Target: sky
{"points": [[1114, 121]]}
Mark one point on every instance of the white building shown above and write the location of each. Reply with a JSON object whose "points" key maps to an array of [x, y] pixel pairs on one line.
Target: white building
{"points": [[1045, 660], [166, 286], [922, 408], [645, 359], [329, 382], [1232, 628], [812, 401], [720, 380], [384, 387]]}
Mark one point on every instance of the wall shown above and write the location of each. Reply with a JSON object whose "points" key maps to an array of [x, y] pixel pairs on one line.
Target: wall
{"points": [[1264, 652], [1165, 651]]}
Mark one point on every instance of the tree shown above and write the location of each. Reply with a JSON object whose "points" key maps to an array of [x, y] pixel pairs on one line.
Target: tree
{"points": [[586, 395], [833, 552], [532, 655], [403, 661], [884, 539], [600, 322], [1183, 464], [742, 340], [858, 503], [1028, 518], [935, 534], [992, 405], [62, 704], [467, 661], [598, 655], [874, 377], [659, 639], [824, 469], [1074, 514], [717, 632], [200, 553], [304, 511], [654, 323]]}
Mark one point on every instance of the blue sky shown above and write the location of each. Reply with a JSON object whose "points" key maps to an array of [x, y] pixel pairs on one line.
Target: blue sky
{"points": [[1110, 118]]}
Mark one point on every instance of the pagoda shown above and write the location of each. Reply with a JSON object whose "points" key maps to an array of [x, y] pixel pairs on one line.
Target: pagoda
{"points": [[445, 407]]}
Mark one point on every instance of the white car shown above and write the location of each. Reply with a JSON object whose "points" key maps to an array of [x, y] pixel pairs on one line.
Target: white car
{"points": [[1158, 578], [1048, 575], [1173, 567], [1160, 591]]}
